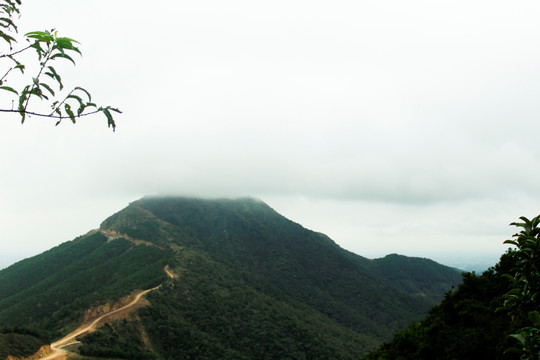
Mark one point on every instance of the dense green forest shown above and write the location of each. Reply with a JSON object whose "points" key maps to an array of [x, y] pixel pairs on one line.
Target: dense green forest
{"points": [[249, 237], [20, 341], [489, 316], [466, 325], [251, 284], [51, 291]]}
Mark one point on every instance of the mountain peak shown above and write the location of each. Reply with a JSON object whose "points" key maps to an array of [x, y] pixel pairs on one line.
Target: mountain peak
{"points": [[248, 280]]}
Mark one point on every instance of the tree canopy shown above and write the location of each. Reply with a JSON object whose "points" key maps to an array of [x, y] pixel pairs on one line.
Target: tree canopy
{"points": [[30, 82], [523, 299]]}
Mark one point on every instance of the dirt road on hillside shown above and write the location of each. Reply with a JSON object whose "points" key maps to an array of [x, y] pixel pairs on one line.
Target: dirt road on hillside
{"points": [[56, 347], [169, 272]]}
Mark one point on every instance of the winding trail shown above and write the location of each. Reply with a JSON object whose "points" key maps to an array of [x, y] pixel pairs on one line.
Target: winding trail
{"points": [[56, 347]]}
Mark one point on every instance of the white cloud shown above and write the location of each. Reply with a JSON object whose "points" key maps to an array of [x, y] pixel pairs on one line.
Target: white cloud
{"points": [[421, 111]]}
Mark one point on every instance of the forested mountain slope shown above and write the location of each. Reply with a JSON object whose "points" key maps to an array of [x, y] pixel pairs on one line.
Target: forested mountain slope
{"points": [[468, 324], [52, 290], [250, 283], [495, 315]]}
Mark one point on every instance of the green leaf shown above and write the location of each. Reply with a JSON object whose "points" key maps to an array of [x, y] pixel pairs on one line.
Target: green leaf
{"points": [[53, 74], [518, 224], [48, 88], [534, 317], [59, 112], [70, 113], [7, 38], [38, 48], [513, 242], [64, 56], [530, 242], [513, 350], [81, 103], [519, 338], [37, 91], [18, 65], [80, 110], [7, 88], [110, 120], [22, 98], [40, 36], [78, 98], [70, 39], [514, 291], [508, 276], [85, 91], [8, 23], [66, 43], [37, 33]]}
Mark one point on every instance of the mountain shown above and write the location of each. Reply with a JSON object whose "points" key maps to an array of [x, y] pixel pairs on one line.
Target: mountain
{"points": [[241, 282], [420, 276]]}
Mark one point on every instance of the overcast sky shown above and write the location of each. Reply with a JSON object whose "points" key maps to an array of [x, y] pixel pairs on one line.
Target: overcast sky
{"points": [[391, 126]]}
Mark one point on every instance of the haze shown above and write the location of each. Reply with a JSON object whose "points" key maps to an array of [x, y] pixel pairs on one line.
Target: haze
{"points": [[392, 127]]}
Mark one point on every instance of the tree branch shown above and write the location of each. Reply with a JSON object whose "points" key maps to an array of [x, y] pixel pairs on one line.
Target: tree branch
{"points": [[16, 52], [51, 116]]}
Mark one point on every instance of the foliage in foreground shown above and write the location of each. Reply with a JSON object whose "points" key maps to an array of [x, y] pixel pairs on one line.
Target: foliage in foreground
{"points": [[523, 300], [40, 78]]}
